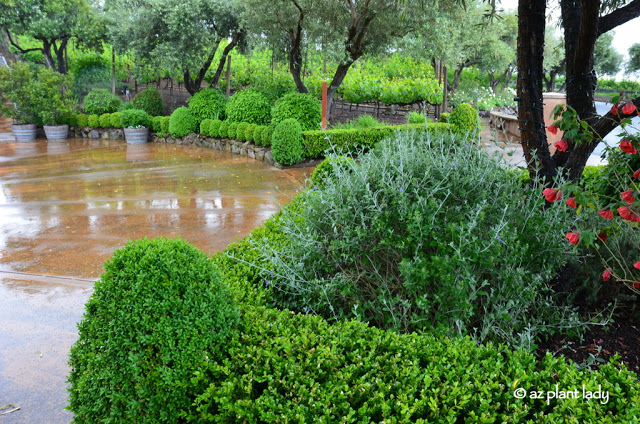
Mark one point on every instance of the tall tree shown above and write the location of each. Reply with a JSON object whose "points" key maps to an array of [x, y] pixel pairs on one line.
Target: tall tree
{"points": [[633, 65], [606, 60]]}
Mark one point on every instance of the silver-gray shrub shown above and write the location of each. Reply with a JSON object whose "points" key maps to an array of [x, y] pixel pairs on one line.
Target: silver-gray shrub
{"points": [[425, 234]]}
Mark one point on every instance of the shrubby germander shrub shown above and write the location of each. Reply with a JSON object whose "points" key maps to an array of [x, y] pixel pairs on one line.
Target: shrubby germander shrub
{"points": [[231, 129], [207, 104], [115, 120], [266, 135], [93, 121], [257, 134], [182, 122], [132, 118], [241, 128], [248, 133], [286, 142], [159, 315], [425, 234], [223, 129], [82, 120], [303, 107], [156, 124], [249, 106], [100, 101], [465, 120], [204, 126], [105, 120], [164, 124], [149, 100], [214, 128]]}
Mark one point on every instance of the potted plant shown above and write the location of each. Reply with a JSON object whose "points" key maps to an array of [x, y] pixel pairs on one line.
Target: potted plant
{"points": [[136, 125], [20, 99], [55, 105]]}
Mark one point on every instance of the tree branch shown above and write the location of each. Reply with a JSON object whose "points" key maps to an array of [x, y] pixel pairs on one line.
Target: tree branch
{"points": [[20, 49], [618, 17]]}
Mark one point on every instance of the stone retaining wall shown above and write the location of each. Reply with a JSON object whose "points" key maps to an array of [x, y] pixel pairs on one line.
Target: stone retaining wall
{"points": [[104, 133]]}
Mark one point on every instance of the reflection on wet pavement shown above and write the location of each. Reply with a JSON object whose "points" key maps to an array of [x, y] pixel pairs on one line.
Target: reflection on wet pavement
{"points": [[65, 207]]}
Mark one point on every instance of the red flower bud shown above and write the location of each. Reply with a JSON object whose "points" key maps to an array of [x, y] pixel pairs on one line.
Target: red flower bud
{"points": [[572, 202], [627, 147], [606, 275], [552, 194], [606, 213], [636, 174], [561, 145], [627, 196], [628, 108], [636, 265], [573, 238], [552, 129], [602, 236], [636, 285], [627, 214], [614, 109]]}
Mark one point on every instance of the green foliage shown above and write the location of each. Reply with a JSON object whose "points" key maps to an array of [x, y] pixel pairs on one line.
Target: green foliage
{"points": [[204, 126], [266, 135], [465, 120], [116, 120], [304, 108], [249, 106], [325, 169], [414, 252], [241, 129], [606, 59], [257, 134], [286, 367], [286, 142], [82, 120], [223, 129], [248, 133], [633, 65], [93, 121], [231, 129], [208, 104], [444, 117], [214, 128], [622, 85], [416, 118], [159, 316], [165, 124], [125, 106], [105, 120], [149, 100], [182, 122], [132, 118], [100, 101], [68, 119], [363, 121], [273, 85], [156, 124]]}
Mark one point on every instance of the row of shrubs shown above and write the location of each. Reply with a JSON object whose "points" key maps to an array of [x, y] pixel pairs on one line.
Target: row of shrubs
{"points": [[100, 101], [173, 336]]}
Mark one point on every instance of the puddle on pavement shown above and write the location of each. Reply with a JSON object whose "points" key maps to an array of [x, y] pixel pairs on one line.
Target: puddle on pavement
{"points": [[65, 207]]}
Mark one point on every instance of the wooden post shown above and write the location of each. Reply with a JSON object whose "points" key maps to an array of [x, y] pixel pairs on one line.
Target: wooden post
{"points": [[445, 89], [113, 70], [324, 105], [228, 75]]}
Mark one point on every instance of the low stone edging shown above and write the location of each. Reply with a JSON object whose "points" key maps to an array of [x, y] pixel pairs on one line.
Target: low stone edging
{"points": [[103, 133]]}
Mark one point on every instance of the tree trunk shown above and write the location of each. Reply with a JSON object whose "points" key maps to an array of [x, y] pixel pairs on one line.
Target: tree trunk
{"points": [[337, 79], [223, 59], [193, 86], [531, 29]]}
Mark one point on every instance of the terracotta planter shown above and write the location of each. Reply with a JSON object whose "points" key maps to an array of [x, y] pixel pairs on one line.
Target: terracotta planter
{"points": [[24, 132], [56, 132], [136, 135]]}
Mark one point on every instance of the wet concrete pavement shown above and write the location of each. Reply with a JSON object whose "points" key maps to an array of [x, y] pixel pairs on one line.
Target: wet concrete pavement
{"points": [[65, 207]]}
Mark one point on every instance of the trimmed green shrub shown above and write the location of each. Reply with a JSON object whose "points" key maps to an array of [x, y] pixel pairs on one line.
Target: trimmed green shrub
{"points": [[414, 252], [325, 169], [249, 106], [266, 135], [257, 134], [286, 142], [231, 129], [223, 129], [149, 100], [82, 120], [444, 117], [465, 120], [126, 106], [99, 101], [93, 121], [165, 124], [204, 126], [214, 128], [133, 118], [416, 118], [248, 133], [115, 120], [182, 122], [105, 120], [207, 104], [363, 121], [68, 119], [294, 368], [304, 108], [241, 128], [156, 124], [159, 315]]}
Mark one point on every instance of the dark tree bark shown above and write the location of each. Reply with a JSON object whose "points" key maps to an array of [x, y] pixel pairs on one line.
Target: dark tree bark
{"points": [[225, 53], [53, 53], [295, 50], [531, 29], [193, 85]]}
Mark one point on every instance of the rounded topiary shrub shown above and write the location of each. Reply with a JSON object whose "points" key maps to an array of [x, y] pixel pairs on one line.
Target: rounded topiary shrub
{"points": [[182, 122], [156, 124], [257, 134], [249, 106], [240, 131], [164, 124], [286, 142], [125, 106], [304, 108], [231, 130], [105, 120], [204, 126], [465, 120], [207, 104], [93, 121], [149, 100], [99, 101], [326, 169], [248, 133], [266, 135], [444, 117], [82, 120], [214, 128], [159, 313], [115, 120], [223, 129], [134, 118]]}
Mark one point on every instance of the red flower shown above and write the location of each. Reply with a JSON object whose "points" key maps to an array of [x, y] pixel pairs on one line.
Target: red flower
{"points": [[637, 265], [636, 174], [606, 275], [629, 108], [636, 285], [572, 202], [561, 145], [606, 213], [627, 147], [614, 109], [627, 196], [552, 129], [627, 214], [573, 238], [552, 194], [602, 236]]}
